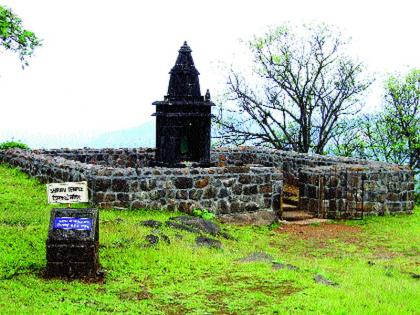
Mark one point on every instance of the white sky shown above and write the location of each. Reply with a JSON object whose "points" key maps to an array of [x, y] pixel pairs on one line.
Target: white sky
{"points": [[103, 63]]}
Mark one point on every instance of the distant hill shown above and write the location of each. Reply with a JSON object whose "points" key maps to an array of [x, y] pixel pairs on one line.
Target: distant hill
{"points": [[142, 136]]}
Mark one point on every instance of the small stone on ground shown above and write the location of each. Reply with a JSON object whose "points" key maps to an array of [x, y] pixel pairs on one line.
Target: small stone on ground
{"points": [[323, 280], [205, 226], [151, 223], [254, 257], [209, 242], [152, 239], [277, 266], [415, 275], [183, 227]]}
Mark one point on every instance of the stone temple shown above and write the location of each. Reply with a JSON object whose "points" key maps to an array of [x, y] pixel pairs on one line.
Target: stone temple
{"points": [[183, 118], [238, 184]]}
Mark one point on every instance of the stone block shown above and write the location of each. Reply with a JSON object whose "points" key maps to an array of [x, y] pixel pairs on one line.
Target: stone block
{"points": [[183, 182], [209, 193], [237, 189], [102, 184], [123, 198], [228, 182], [250, 189], [236, 206], [265, 189], [195, 194], [223, 192], [119, 185], [252, 206], [73, 243], [184, 206], [223, 206], [201, 183], [182, 194], [245, 179]]}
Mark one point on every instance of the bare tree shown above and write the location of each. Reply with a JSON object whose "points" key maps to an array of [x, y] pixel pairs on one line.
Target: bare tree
{"points": [[300, 88]]}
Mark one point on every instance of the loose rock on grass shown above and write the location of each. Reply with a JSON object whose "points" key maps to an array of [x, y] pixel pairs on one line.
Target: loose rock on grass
{"points": [[259, 256], [198, 224], [151, 223], [209, 242], [152, 239], [277, 266], [323, 280]]}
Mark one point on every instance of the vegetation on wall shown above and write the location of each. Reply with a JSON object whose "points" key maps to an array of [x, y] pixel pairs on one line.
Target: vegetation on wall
{"points": [[13, 145]]}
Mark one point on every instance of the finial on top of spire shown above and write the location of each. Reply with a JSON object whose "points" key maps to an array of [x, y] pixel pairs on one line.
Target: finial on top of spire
{"points": [[185, 48]]}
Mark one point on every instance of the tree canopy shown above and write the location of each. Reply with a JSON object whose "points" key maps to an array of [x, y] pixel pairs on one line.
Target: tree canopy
{"points": [[14, 37], [392, 134], [303, 83]]}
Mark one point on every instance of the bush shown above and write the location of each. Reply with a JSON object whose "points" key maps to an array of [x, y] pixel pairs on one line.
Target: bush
{"points": [[13, 145], [204, 214]]}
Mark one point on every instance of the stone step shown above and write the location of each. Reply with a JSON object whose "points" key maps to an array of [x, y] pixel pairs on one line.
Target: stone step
{"points": [[289, 207], [289, 201], [296, 215]]}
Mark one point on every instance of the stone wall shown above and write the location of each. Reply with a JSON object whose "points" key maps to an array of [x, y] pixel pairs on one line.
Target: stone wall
{"points": [[350, 191], [250, 190], [241, 180], [291, 162], [140, 157]]}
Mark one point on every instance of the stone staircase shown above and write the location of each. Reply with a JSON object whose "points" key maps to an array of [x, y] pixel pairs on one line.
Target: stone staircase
{"points": [[291, 213]]}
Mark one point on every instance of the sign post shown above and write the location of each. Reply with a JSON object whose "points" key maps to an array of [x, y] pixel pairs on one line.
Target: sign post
{"points": [[67, 192], [73, 234]]}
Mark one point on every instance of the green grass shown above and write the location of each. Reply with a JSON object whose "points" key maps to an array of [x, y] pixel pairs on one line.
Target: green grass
{"points": [[371, 265]]}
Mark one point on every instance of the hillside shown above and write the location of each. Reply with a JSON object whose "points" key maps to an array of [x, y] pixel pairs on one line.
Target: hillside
{"points": [[353, 267], [141, 136]]}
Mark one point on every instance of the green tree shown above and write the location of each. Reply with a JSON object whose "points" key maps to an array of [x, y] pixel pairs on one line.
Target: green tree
{"points": [[302, 85], [14, 37], [391, 135], [401, 118]]}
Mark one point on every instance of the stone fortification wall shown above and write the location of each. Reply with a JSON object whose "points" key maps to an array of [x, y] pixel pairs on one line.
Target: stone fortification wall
{"points": [[137, 157], [291, 162], [349, 191], [242, 180], [250, 191]]}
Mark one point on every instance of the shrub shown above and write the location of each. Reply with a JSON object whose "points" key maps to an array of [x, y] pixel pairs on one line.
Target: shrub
{"points": [[204, 214], [13, 145]]}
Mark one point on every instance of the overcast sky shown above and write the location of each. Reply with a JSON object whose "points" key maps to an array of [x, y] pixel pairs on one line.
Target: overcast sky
{"points": [[103, 63]]}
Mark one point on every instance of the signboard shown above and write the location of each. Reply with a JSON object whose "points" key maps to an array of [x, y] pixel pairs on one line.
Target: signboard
{"points": [[67, 192], [73, 243], [69, 223], [73, 225]]}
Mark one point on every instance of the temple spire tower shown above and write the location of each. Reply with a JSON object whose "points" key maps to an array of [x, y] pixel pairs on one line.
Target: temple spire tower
{"points": [[183, 118]]}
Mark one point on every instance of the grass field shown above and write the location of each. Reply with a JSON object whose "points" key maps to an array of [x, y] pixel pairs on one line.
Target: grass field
{"points": [[374, 264]]}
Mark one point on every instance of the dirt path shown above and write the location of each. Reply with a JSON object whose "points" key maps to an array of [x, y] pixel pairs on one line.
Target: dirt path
{"points": [[321, 232]]}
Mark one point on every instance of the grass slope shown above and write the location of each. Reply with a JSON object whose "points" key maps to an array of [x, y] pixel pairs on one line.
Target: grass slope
{"points": [[370, 260]]}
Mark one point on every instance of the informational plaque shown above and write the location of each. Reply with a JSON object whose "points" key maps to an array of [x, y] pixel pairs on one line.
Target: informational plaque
{"points": [[67, 192], [68, 223], [73, 243]]}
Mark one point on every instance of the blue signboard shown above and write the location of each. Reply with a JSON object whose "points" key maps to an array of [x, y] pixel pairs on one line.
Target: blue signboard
{"points": [[68, 223]]}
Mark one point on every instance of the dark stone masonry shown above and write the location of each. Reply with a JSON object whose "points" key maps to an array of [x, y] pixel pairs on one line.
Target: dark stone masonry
{"points": [[73, 243], [243, 183]]}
